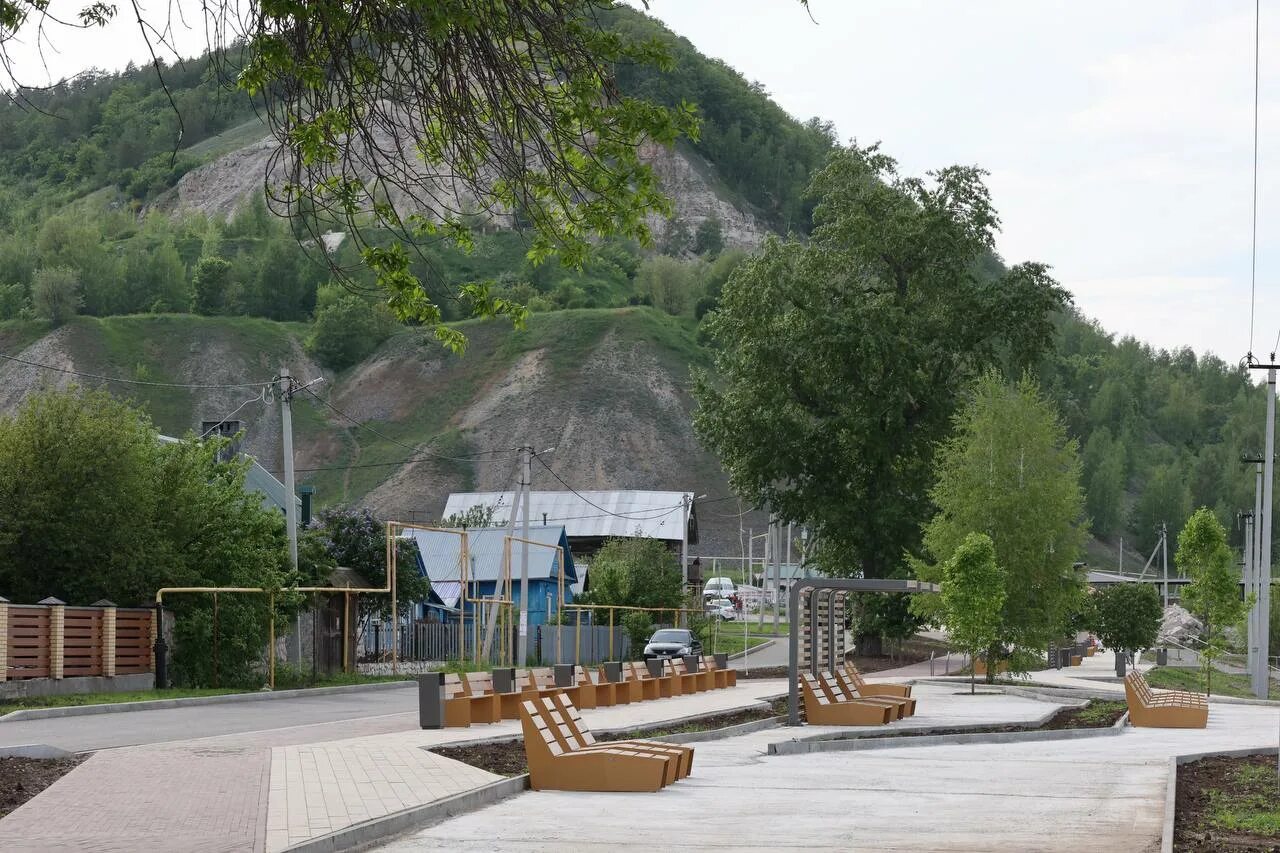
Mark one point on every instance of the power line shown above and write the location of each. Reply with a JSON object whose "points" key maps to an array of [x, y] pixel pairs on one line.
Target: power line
{"points": [[122, 381], [584, 498], [262, 396]]}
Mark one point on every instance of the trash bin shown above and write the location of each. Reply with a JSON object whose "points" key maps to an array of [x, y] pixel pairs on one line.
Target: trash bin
{"points": [[1064, 658], [1162, 657]]}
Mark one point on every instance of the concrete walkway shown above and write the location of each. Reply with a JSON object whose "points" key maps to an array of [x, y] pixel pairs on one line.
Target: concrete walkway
{"points": [[1090, 794], [274, 786]]}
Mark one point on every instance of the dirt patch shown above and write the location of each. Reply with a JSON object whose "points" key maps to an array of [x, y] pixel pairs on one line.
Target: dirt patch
{"points": [[1228, 804], [23, 778], [506, 758], [1095, 715]]}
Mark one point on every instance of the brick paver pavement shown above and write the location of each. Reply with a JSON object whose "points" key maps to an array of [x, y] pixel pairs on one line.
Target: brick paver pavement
{"points": [[199, 798]]}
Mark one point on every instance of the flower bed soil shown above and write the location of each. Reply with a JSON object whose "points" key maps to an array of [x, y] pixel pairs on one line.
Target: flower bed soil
{"points": [[506, 758], [1228, 804], [23, 778], [1095, 715]]}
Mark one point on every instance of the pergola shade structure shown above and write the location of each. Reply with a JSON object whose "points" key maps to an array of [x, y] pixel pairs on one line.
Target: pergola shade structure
{"points": [[807, 596]]}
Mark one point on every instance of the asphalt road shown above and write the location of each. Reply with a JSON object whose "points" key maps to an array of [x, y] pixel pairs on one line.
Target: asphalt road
{"points": [[100, 731]]}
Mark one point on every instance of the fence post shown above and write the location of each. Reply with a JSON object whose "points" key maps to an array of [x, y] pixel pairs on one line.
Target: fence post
{"points": [[108, 636], [57, 618], [4, 638]]}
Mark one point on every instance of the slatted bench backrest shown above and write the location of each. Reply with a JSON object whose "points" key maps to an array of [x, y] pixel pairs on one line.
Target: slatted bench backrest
{"points": [[480, 683], [1140, 687], [816, 688], [542, 678], [573, 720], [453, 687]]}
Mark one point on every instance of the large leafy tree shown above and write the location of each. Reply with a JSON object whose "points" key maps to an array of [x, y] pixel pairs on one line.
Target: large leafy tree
{"points": [[1214, 592], [840, 360], [406, 123], [1127, 616], [1010, 472], [93, 505], [972, 596]]}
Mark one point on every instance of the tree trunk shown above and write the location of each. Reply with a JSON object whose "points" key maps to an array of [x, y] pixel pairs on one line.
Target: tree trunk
{"points": [[993, 663], [870, 645]]}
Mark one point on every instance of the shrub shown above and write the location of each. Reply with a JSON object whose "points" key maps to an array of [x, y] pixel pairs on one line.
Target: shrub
{"points": [[348, 330]]}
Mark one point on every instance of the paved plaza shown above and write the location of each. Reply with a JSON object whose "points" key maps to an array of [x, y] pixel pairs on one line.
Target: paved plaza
{"points": [[270, 775]]}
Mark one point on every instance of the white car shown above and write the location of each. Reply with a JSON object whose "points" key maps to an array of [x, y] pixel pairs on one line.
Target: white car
{"points": [[722, 608], [718, 588]]}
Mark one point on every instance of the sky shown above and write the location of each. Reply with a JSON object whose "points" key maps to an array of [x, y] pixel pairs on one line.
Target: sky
{"points": [[1118, 136]]}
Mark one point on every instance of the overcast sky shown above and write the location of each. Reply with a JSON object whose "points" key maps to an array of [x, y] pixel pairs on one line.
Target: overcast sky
{"points": [[1118, 135]]}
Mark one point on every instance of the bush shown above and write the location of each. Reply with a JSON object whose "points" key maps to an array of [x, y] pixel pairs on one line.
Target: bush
{"points": [[55, 294], [348, 330], [639, 628]]}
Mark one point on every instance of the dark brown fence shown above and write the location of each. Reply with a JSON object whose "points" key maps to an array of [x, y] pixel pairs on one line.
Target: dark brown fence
{"points": [[55, 641]]}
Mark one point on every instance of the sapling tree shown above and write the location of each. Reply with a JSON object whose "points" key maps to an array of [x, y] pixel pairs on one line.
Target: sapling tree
{"points": [[1128, 617], [972, 598], [1214, 592]]}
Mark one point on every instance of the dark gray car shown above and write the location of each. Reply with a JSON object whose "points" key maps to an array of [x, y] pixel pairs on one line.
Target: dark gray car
{"points": [[672, 642]]}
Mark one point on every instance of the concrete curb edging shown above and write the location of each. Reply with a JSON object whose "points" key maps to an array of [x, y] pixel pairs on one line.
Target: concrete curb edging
{"points": [[34, 750], [798, 747], [742, 654], [1171, 784], [381, 828], [162, 704], [719, 734]]}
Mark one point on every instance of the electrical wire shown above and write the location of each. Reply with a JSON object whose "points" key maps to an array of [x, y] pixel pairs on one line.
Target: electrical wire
{"points": [[141, 382], [583, 497]]}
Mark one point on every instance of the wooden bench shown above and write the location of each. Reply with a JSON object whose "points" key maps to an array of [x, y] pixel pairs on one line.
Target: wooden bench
{"points": [[690, 682], [543, 680], [668, 684], [1164, 709], [866, 688], [903, 706], [822, 710], [462, 709], [637, 674], [601, 694], [557, 763], [726, 677], [577, 729], [487, 703]]}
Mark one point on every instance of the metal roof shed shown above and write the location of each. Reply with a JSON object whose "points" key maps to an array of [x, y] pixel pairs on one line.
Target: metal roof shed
{"points": [[595, 515]]}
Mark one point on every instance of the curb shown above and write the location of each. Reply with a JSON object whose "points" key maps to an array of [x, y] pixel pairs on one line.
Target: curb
{"points": [[162, 704], [799, 747], [720, 734], [1171, 784], [742, 654], [381, 828], [34, 750]]}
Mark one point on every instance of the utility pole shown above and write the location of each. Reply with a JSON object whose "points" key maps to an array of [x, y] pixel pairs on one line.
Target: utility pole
{"points": [[685, 500], [1257, 575], [776, 564], [286, 426], [491, 625], [1262, 677], [1246, 574], [522, 646], [1164, 559]]}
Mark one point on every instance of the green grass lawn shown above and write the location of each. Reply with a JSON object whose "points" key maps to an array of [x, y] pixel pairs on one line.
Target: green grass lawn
{"points": [[1179, 678], [285, 680], [730, 642]]}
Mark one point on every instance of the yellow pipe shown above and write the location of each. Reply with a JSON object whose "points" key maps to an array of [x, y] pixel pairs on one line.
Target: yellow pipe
{"points": [[271, 643]]}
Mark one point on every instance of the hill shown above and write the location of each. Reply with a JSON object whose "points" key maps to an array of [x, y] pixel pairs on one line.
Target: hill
{"points": [[608, 389]]}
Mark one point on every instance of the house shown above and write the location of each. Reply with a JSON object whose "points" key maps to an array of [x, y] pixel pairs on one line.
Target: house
{"points": [[439, 561], [589, 518]]}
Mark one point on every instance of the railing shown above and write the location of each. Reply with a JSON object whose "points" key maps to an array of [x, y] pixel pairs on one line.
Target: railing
{"points": [[52, 640]]}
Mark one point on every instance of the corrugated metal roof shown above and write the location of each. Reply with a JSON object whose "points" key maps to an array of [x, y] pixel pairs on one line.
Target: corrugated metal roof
{"points": [[438, 554], [624, 513]]}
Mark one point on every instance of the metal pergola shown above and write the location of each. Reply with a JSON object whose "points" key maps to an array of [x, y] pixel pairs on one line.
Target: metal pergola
{"points": [[811, 591]]}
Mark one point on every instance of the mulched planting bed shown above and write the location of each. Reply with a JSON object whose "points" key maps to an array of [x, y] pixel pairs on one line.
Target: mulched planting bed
{"points": [[506, 758], [23, 778], [1228, 804]]}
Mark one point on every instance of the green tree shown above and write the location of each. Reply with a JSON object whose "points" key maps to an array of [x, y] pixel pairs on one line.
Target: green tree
{"points": [[211, 283], [1009, 471], [85, 481], [840, 360], [1104, 473], [972, 598], [358, 540], [55, 294], [708, 240], [635, 573], [348, 331], [668, 282], [1213, 595], [1128, 616]]}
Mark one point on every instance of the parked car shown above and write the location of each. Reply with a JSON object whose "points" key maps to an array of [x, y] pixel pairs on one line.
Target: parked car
{"points": [[719, 588], [671, 642], [722, 608]]}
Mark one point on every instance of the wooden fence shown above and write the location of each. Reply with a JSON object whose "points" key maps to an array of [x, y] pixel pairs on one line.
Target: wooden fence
{"points": [[52, 640]]}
